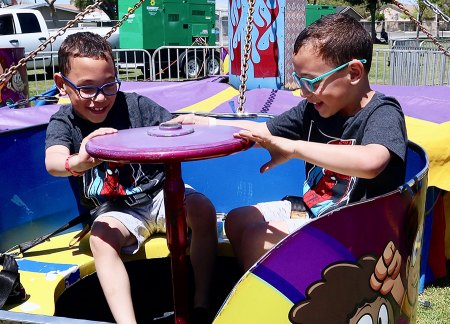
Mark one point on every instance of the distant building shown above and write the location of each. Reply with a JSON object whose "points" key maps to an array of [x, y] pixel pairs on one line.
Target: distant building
{"points": [[221, 25], [349, 11], [7, 3], [392, 12]]}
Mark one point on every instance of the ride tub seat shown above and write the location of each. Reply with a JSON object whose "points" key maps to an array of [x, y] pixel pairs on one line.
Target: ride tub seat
{"points": [[56, 266], [50, 268], [324, 272]]}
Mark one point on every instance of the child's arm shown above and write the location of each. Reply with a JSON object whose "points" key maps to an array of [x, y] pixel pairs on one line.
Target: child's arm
{"points": [[363, 161], [202, 120], [58, 159]]}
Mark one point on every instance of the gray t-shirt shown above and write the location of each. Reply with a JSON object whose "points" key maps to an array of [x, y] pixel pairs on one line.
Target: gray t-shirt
{"points": [[110, 180], [380, 122]]}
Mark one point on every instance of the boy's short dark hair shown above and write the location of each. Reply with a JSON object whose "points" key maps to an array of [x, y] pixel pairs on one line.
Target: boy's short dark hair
{"points": [[83, 44], [338, 39]]}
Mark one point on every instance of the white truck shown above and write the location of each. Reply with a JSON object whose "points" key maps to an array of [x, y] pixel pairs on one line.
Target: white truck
{"points": [[27, 28]]}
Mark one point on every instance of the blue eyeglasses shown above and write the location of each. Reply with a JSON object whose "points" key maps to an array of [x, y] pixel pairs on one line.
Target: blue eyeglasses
{"points": [[307, 85], [89, 92]]}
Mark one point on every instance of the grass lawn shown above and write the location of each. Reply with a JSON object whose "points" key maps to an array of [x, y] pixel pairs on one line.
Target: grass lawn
{"points": [[379, 71], [438, 298]]}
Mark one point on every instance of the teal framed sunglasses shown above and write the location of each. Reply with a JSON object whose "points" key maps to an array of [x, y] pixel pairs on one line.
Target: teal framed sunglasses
{"points": [[307, 85]]}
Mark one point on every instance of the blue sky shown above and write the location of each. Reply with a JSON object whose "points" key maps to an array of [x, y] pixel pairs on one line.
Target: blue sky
{"points": [[222, 3]]}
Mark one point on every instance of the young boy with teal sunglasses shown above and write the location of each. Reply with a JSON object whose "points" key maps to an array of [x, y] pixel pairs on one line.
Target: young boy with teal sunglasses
{"points": [[352, 139]]}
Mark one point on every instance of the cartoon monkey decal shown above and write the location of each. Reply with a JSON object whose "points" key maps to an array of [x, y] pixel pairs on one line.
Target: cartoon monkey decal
{"points": [[340, 297], [370, 291]]}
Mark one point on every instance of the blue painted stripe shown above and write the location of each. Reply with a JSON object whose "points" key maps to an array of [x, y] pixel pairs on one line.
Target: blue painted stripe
{"points": [[72, 278], [333, 243], [283, 285], [42, 267], [278, 282]]}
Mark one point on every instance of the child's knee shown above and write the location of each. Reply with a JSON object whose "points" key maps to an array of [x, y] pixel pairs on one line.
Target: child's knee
{"points": [[96, 244], [103, 238], [199, 206], [240, 217], [200, 212], [230, 220], [235, 223]]}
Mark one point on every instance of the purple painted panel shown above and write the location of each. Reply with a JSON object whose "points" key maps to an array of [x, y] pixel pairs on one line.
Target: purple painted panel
{"points": [[359, 232], [317, 250], [11, 119], [177, 95], [263, 101], [430, 103], [16, 87], [427, 103], [332, 261]]}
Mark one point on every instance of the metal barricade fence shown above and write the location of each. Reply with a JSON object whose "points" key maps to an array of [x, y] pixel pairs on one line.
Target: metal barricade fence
{"points": [[130, 61], [168, 62], [428, 44], [186, 62], [132, 65], [40, 72], [418, 68], [410, 67], [405, 44]]}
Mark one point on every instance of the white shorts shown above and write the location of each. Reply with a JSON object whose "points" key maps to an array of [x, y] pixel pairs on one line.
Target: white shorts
{"points": [[280, 211], [142, 221]]}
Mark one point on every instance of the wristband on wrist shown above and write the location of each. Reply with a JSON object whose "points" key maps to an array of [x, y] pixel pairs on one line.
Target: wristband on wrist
{"points": [[68, 169]]}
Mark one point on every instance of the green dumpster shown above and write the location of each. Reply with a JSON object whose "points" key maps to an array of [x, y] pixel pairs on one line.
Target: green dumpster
{"points": [[314, 12], [167, 22]]}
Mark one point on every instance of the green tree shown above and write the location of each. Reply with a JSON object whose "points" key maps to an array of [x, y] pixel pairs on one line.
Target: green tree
{"points": [[444, 5], [372, 7], [361, 6], [108, 6], [424, 12], [342, 3]]}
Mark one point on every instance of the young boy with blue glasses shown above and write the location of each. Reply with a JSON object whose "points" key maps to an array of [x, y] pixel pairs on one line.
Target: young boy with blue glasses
{"points": [[126, 199], [352, 139]]}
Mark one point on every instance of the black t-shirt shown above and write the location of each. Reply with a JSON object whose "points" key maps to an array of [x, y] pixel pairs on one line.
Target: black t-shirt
{"points": [[110, 180], [380, 122]]}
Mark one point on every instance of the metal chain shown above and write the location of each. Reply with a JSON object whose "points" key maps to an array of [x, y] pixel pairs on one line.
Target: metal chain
{"points": [[422, 28], [124, 17], [434, 7], [244, 67], [13, 69]]}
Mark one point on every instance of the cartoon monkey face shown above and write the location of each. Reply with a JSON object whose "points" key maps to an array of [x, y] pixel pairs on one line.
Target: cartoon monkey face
{"points": [[16, 84], [377, 312], [413, 270]]}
